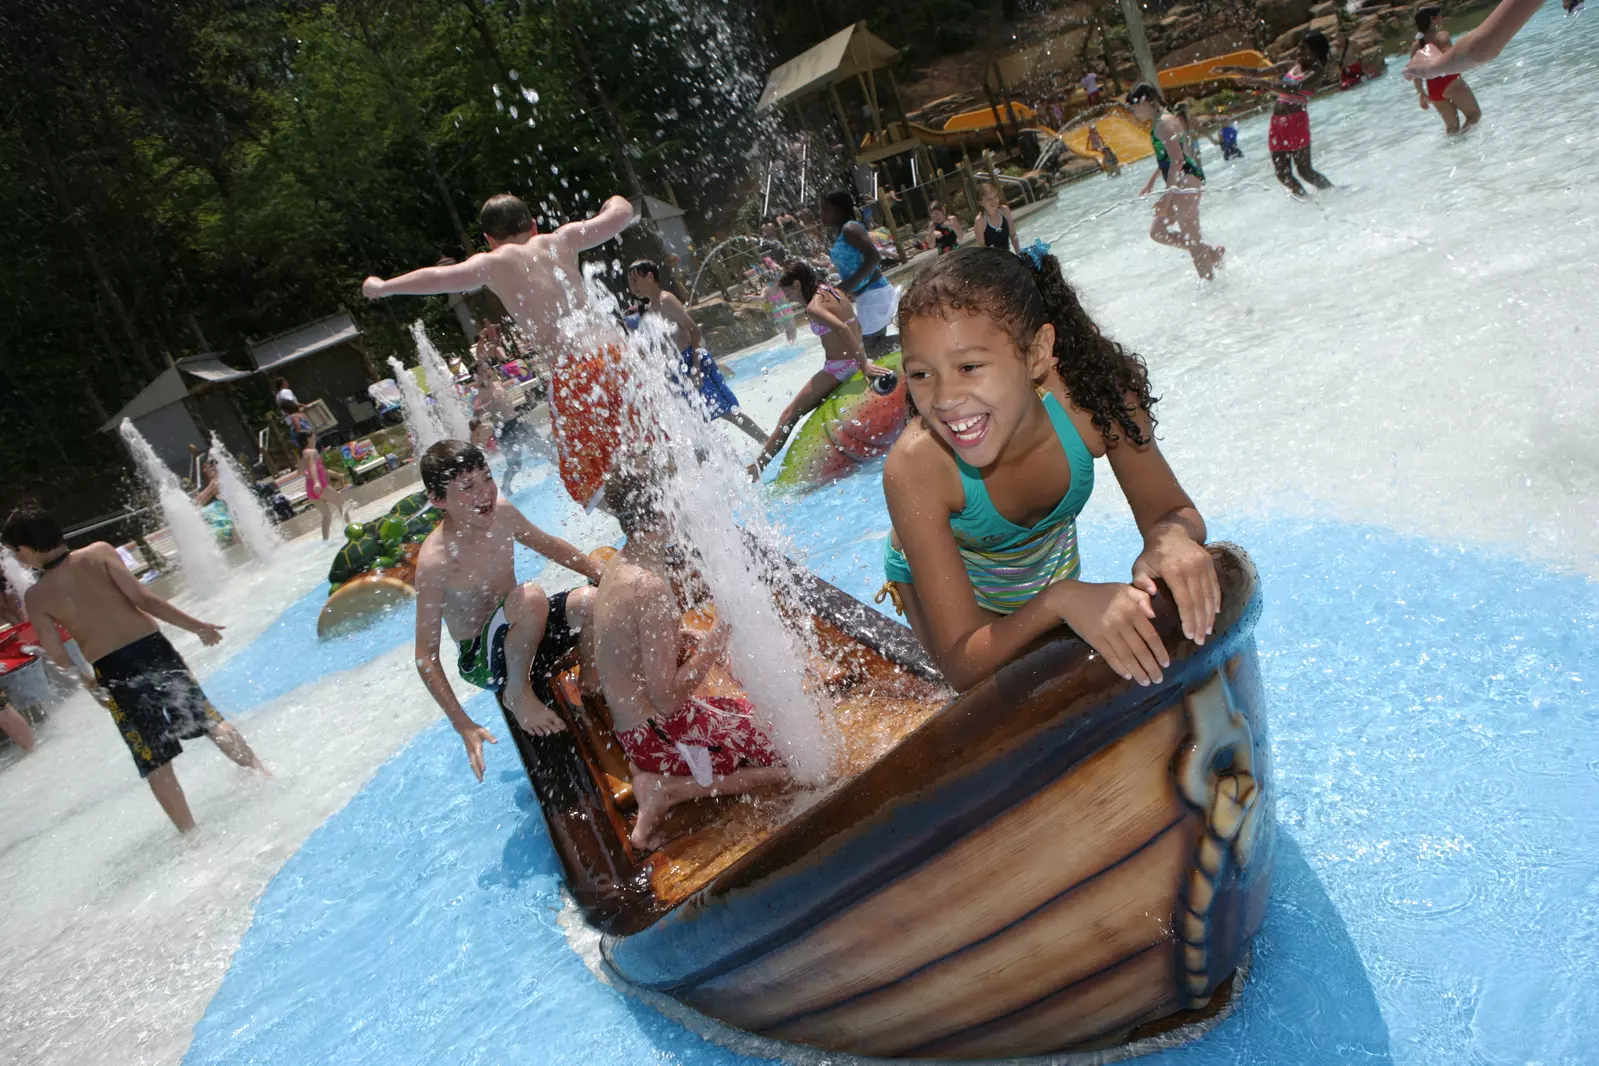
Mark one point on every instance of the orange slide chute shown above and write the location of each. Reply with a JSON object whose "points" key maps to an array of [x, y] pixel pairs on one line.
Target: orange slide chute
{"points": [[1205, 69]]}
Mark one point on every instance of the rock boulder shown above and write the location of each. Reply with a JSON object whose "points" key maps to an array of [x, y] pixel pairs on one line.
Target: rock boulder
{"points": [[1281, 16]]}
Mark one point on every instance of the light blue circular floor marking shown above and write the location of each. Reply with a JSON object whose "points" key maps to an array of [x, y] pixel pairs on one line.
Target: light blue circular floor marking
{"points": [[1436, 747]]}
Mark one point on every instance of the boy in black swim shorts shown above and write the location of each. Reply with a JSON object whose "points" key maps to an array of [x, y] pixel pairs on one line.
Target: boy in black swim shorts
{"points": [[508, 634], [140, 678]]}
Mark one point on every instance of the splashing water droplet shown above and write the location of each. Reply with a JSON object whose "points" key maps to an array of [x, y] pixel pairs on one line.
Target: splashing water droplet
{"points": [[496, 89], [514, 76], [530, 96]]}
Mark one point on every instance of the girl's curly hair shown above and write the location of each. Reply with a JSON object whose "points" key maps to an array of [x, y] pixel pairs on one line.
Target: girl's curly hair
{"points": [[1020, 297]]}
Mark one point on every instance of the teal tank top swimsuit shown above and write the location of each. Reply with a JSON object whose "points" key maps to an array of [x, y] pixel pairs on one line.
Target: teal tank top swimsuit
{"points": [[1010, 564]]}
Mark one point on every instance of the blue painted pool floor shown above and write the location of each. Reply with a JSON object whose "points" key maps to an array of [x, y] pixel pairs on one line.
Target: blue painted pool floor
{"points": [[1437, 890]]}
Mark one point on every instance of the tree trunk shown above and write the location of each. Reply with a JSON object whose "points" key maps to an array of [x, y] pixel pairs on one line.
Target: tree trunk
{"points": [[80, 230], [618, 131]]}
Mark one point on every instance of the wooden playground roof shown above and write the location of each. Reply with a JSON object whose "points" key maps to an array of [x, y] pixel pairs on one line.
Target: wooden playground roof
{"points": [[851, 51]]}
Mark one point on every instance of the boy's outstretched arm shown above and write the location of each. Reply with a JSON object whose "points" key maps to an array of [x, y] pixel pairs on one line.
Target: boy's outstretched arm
{"points": [[613, 218], [430, 281], [554, 548], [429, 618], [147, 601]]}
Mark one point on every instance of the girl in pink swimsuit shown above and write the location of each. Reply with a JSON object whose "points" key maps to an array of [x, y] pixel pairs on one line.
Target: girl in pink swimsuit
{"points": [[317, 485], [833, 320], [1295, 83]]}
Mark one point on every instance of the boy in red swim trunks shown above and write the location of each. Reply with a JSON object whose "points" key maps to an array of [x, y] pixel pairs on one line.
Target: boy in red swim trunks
{"points": [[680, 746], [538, 278]]}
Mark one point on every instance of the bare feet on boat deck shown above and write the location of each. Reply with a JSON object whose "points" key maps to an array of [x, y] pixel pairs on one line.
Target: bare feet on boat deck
{"points": [[530, 714], [655, 795]]}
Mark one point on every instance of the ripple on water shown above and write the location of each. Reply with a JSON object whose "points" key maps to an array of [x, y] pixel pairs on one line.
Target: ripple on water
{"points": [[1431, 895]]}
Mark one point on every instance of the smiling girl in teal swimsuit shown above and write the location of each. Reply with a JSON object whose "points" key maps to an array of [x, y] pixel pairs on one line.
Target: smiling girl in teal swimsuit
{"points": [[1018, 394]]}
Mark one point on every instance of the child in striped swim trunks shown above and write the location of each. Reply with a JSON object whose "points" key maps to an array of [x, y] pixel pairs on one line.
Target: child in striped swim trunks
{"points": [[1018, 393]]}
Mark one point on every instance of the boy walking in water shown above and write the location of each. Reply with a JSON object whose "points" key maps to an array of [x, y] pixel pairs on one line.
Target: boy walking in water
{"points": [[539, 279], [679, 746], [142, 680], [466, 578], [644, 281]]}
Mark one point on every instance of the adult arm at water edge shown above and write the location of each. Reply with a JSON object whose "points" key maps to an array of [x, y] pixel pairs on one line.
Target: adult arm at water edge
{"points": [[551, 547], [969, 643], [613, 218], [855, 236], [1480, 45], [429, 621], [1173, 530]]}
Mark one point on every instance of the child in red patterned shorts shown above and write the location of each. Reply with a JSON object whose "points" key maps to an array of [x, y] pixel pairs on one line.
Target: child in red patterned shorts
{"points": [[680, 746]]}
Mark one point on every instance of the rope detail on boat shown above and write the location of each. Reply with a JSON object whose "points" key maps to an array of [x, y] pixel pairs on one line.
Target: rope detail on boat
{"points": [[1215, 773]]}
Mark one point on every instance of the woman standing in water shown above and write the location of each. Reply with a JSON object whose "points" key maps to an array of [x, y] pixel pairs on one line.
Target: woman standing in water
{"points": [[1294, 83], [859, 268], [995, 223], [1449, 94], [1177, 212]]}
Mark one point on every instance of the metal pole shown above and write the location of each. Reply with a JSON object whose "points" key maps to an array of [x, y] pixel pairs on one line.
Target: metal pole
{"points": [[1133, 15]]}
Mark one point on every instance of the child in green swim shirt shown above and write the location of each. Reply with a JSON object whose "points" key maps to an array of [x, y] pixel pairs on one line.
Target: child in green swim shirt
{"points": [[1018, 394]]}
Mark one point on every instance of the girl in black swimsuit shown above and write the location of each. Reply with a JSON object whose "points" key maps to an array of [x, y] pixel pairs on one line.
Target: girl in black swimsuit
{"points": [[946, 229], [1002, 236]]}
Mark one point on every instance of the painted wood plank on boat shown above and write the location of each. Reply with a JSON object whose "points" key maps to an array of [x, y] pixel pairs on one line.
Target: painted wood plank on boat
{"points": [[1108, 919], [1094, 815]]}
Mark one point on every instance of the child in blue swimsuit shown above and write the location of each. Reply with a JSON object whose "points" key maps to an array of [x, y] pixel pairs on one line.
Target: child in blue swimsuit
{"points": [[1018, 393]]}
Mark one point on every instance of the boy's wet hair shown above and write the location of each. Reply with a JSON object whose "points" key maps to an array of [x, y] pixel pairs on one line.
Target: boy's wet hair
{"points": [[1144, 91], [635, 502], [505, 216], [1103, 378], [841, 201], [31, 526], [1320, 47], [1425, 16], [799, 272], [448, 460], [648, 267]]}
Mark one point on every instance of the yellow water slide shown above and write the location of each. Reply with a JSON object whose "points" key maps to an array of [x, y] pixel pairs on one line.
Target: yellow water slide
{"points": [[1119, 128], [1205, 69]]}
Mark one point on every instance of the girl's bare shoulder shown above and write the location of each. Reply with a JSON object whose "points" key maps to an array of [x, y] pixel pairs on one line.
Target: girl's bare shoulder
{"points": [[919, 461]]}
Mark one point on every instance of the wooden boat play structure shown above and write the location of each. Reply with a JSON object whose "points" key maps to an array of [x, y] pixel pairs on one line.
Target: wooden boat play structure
{"points": [[1054, 859]]}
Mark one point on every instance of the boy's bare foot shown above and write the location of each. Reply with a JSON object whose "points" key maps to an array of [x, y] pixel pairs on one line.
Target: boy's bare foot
{"points": [[655, 795], [532, 715]]}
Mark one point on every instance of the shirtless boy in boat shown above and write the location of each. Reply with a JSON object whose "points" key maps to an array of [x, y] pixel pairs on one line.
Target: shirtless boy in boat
{"points": [[466, 578], [138, 675], [679, 746], [537, 277]]}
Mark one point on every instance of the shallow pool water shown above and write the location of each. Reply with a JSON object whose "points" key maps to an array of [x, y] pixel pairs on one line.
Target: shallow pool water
{"points": [[1386, 399]]}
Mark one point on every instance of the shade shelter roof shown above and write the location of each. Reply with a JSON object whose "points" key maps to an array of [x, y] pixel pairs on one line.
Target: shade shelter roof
{"points": [[303, 341], [851, 51], [172, 386]]}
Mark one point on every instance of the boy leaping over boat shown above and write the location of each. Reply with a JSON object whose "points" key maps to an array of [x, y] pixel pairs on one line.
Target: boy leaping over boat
{"points": [[466, 578], [680, 746]]}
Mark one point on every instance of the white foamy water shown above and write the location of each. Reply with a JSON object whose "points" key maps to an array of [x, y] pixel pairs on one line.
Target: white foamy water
{"points": [[199, 557], [453, 410], [250, 519], [718, 517], [422, 420], [1413, 348]]}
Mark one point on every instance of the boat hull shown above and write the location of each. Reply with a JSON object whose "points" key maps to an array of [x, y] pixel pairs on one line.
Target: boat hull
{"points": [[1057, 859]]}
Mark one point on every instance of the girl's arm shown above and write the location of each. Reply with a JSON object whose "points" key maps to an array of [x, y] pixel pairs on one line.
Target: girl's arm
{"points": [[1173, 530], [960, 231], [1015, 241], [969, 643], [855, 236], [1150, 184]]}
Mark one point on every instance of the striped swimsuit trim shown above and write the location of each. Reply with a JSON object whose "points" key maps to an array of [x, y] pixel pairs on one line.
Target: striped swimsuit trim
{"points": [[1005, 580]]}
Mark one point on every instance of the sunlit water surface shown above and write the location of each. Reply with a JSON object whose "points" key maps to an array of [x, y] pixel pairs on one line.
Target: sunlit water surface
{"points": [[1386, 398]]}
